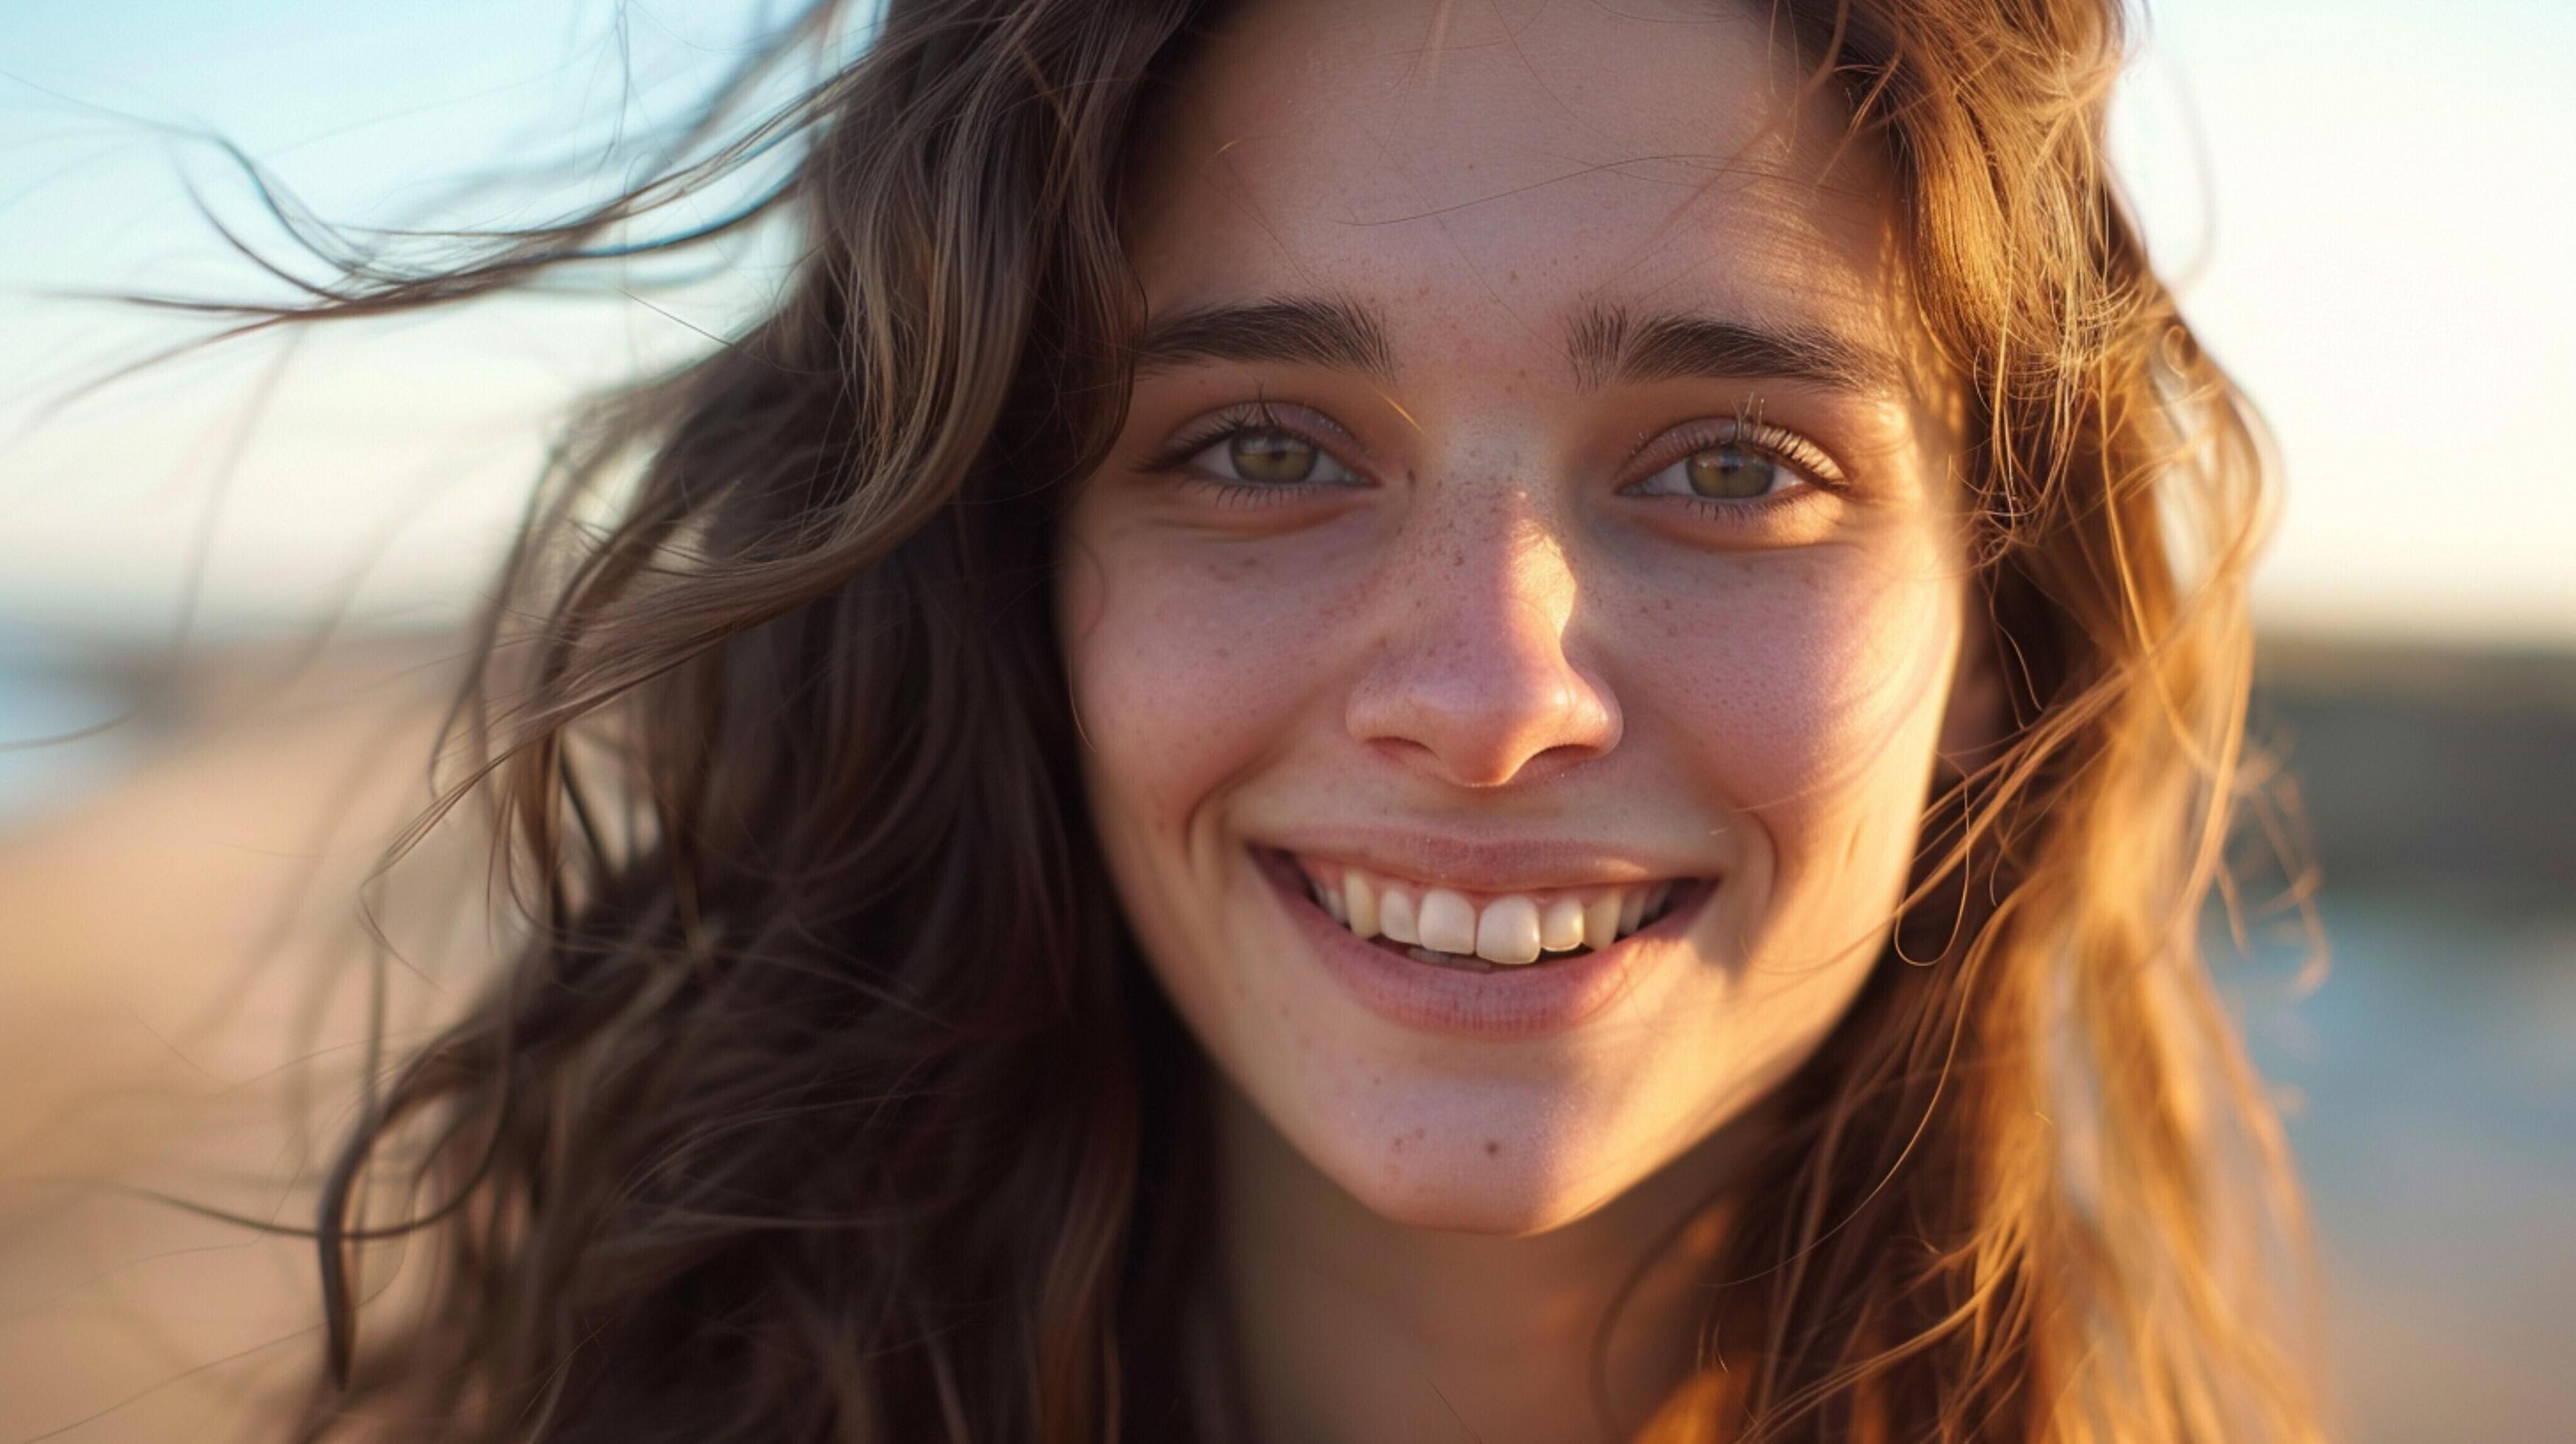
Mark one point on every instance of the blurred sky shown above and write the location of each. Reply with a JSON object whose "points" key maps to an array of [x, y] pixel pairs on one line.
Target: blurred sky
{"points": [[2367, 205]]}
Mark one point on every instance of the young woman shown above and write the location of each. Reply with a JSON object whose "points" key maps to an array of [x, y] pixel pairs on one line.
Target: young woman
{"points": [[1369, 721]]}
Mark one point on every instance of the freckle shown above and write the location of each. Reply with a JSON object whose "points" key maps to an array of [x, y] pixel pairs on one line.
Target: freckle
{"points": [[1396, 1143], [1493, 1147]]}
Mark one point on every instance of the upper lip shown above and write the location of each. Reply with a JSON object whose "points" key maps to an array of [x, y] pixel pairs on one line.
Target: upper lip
{"points": [[1491, 864]]}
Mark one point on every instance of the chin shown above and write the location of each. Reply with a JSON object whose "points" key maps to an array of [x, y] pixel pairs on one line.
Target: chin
{"points": [[1485, 1157], [1464, 1200]]}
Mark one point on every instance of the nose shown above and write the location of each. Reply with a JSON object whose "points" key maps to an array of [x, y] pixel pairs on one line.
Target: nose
{"points": [[1473, 682]]}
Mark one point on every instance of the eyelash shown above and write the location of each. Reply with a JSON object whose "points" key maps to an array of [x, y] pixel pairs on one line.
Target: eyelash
{"points": [[1746, 430], [1255, 415]]}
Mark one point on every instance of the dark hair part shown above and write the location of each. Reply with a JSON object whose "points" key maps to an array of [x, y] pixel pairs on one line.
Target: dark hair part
{"points": [[825, 1097]]}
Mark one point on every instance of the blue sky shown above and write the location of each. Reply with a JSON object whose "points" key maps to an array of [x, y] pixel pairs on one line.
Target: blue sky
{"points": [[2366, 205]]}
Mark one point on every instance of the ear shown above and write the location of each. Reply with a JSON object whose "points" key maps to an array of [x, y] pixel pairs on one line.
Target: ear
{"points": [[1978, 714]]}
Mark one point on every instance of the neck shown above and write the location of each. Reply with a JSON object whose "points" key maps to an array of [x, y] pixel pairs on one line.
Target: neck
{"points": [[1356, 1328]]}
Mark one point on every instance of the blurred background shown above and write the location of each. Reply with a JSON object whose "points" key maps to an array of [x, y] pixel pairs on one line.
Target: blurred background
{"points": [[228, 586]]}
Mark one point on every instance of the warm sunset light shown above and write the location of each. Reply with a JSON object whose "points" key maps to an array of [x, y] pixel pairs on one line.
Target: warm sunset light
{"points": [[1439, 806]]}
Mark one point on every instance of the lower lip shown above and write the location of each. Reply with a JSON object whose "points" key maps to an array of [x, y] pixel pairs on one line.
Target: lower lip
{"points": [[1530, 1001]]}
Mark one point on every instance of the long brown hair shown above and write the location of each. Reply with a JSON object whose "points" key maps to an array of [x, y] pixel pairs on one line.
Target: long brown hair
{"points": [[824, 1096]]}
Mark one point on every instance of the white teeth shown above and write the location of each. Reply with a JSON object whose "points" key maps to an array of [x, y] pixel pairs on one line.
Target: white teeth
{"points": [[1448, 922], [1395, 916], [1560, 928], [1512, 929], [1360, 900], [1601, 921], [1507, 931]]}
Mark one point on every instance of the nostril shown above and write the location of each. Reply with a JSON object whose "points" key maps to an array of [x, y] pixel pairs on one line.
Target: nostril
{"points": [[1480, 703], [1491, 748], [1558, 759]]}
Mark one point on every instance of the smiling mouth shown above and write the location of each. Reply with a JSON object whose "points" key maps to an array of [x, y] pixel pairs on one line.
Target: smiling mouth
{"points": [[1483, 932]]}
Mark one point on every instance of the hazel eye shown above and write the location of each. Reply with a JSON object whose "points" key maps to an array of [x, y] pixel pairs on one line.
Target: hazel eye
{"points": [[1726, 472], [1271, 456]]}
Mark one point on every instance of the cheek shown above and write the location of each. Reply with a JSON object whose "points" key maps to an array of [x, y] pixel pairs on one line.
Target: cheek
{"points": [[1191, 672], [1189, 669], [1804, 691]]}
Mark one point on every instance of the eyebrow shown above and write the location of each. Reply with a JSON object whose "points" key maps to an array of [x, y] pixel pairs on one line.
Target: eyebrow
{"points": [[1603, 343], [1312, 330], [1607, 343]]}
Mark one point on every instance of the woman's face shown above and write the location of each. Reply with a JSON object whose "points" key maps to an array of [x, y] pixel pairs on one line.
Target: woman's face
{"points": [[1531, 538]]}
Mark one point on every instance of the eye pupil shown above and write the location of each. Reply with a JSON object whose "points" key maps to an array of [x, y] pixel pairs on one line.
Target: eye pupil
{"points": [[1271, 456], [1729, 473]]}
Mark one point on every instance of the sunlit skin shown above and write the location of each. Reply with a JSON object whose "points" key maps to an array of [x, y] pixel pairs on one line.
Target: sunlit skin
{"points": [[1498, 619]]}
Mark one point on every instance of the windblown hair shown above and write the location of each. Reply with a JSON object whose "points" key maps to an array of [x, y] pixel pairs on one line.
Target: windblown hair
{"points": [[825, 1096]]}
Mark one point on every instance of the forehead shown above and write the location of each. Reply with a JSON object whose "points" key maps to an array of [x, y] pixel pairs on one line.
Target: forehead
{"points": [[1481, 175]]}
